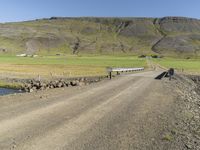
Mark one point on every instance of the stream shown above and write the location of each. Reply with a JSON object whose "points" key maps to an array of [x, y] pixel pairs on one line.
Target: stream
{"points": [[6, 91]]}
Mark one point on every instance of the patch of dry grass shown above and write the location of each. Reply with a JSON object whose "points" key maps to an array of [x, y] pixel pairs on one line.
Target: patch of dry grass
{"points": [[27, 71]]}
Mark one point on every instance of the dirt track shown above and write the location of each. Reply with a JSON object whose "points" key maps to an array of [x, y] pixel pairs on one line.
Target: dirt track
{"points": [[124, 113]]}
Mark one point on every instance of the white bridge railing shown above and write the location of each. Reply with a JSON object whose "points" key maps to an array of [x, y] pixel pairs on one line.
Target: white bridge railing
{"points": [[118, 70]]}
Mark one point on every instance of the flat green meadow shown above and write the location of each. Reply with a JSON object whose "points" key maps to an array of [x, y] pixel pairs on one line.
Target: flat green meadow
{"points": [[67, 66], [190, 66], [79, 66]]}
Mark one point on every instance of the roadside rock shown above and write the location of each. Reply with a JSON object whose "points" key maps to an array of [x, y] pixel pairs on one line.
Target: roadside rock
{"points": [[74, 83]]}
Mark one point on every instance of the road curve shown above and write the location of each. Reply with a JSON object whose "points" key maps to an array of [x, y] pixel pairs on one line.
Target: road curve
{"points": [[122, 113]]}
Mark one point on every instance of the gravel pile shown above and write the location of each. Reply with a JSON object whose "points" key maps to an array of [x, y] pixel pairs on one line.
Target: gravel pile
{"points": [[187, 111]]}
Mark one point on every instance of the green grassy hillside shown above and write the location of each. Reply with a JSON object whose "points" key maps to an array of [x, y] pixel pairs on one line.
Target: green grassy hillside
{"points": [[115, 36]]}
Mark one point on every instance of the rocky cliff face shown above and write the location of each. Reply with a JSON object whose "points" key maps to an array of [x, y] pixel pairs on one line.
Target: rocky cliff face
{"points": [[165, 36], [180, 35]]}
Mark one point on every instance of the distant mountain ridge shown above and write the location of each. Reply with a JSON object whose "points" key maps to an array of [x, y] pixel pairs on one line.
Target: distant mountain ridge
{"points": [[168, 36]]}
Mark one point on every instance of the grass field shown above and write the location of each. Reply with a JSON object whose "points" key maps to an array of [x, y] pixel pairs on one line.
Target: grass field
{"points": [[191, 66], [64, 66], [75, 66]]}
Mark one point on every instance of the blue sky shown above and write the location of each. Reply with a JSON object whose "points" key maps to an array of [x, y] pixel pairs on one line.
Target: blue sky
{"points": [[19, 10]]}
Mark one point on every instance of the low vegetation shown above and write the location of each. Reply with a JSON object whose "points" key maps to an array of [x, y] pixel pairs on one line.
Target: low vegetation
{"points": [[10, 85]]}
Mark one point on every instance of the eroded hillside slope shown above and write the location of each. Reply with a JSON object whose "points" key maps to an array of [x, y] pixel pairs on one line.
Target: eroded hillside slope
{"points": [[166, 36]]}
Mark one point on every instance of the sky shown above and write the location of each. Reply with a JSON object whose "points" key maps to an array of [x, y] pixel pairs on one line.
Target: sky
{"points": [[22, 10]]}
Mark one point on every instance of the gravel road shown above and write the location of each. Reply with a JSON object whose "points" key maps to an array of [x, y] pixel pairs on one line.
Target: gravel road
{"points": [[119, 114]]}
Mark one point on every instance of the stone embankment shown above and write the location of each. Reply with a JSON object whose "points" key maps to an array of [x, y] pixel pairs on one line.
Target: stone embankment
{"points": [[187, 111], [32, 85]]}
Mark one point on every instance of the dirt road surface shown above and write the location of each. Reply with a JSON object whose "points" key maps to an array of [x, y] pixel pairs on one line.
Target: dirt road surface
{"points": [[119, 114]]}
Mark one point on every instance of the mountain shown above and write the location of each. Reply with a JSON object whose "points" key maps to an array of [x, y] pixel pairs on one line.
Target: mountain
{"points": [[168, 36]]}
